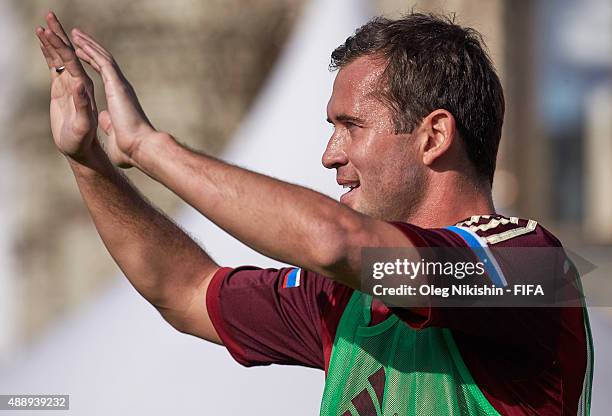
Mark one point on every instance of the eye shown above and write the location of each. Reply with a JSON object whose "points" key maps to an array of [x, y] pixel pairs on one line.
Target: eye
{"points": [[351, 126]]}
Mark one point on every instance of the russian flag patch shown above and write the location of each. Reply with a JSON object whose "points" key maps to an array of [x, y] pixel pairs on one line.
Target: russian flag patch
{"points": [[292, 278]]}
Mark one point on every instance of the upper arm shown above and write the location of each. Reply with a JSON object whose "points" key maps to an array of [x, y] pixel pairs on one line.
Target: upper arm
{"points": [[192, 307], [353, 235], [266, 316], [192, 316]]}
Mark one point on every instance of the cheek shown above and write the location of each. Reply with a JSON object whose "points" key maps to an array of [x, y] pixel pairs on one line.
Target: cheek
{"points": [[395, 167], [385, 154], [371, 149]]}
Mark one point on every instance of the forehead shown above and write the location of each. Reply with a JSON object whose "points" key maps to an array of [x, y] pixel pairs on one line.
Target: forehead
{"points": [[355, 87]]}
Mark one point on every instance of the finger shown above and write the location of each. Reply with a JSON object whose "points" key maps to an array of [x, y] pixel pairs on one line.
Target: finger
{"points": [[105, 66], [53, 72], [82, 40], [89, 39], [81, 99], [53, 59], [80, 54], [105, 122], [66, 54], [115, 84], [84, 56], [97, 51], [48, 57], [46, 54], [55, 25], [82, 121]]}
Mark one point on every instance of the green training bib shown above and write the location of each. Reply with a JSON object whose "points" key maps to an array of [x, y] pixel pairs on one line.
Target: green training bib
{"points": [[390, 369], [422, 371]]}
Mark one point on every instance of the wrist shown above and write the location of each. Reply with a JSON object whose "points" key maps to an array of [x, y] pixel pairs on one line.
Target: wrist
{"points": [[93, 160], [149, 149], [89, 155]]}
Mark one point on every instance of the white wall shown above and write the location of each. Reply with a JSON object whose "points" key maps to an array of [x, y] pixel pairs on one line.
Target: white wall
{"points": [[10, 68]]}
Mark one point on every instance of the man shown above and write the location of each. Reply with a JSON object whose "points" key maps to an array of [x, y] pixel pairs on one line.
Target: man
{"points": [[417, 111]]}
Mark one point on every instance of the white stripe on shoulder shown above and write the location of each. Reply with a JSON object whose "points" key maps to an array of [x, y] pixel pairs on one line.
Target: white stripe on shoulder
{"points": [[515, 232]]}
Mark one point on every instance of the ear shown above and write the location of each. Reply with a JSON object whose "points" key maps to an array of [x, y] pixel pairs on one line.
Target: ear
{"points": [[439, 130]]}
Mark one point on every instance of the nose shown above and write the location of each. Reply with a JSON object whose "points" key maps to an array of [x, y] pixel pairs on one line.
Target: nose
{"points": [[334, 155]]}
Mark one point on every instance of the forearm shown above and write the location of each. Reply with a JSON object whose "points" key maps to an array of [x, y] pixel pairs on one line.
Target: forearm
{"points": [[287, 222], [158, 258], [283, 221]]}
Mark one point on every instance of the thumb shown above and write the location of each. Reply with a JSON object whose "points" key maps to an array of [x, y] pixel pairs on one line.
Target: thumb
{"points": [[81, 100], [82, 106], [105, 122]]}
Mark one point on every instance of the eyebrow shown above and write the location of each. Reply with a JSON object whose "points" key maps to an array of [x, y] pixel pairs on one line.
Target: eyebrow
{"points": [[343, 118]]}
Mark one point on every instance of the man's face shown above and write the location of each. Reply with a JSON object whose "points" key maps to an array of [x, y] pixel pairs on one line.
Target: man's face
{"points": [[383, 173]]}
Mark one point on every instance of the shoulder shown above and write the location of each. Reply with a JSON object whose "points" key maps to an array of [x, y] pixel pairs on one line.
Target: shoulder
{"points": [[503, 231], [291, 287], [492, 230]]}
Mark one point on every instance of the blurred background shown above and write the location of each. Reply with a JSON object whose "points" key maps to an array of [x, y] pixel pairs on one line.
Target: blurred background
{"points": [[226, 77]]}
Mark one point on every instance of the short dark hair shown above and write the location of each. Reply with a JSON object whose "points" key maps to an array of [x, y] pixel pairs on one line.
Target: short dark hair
{"points": [[432, 62]]}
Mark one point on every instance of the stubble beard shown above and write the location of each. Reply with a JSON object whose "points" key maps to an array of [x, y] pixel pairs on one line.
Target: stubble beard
{"points": [[401, 202]]}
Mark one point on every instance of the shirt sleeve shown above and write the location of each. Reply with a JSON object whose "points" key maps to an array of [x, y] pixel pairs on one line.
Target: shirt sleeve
{"points": [[269, 316]]}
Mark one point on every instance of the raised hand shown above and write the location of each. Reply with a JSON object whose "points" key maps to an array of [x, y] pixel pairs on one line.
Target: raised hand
{"points": [[125, 123], [72, 109]]}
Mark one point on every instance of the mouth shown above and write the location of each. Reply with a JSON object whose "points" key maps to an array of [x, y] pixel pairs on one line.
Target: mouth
{"points": [[351, 188]]}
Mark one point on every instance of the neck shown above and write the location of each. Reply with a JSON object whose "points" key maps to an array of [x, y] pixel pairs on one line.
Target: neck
{"points": [[451, 201]]}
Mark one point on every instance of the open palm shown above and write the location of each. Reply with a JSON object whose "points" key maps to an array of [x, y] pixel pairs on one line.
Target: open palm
{"points": [[125, 122], [72, 130], [72, 109]]}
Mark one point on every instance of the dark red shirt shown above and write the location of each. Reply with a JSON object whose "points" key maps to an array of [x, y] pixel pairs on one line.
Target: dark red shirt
{"points": [[526, 361]]}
